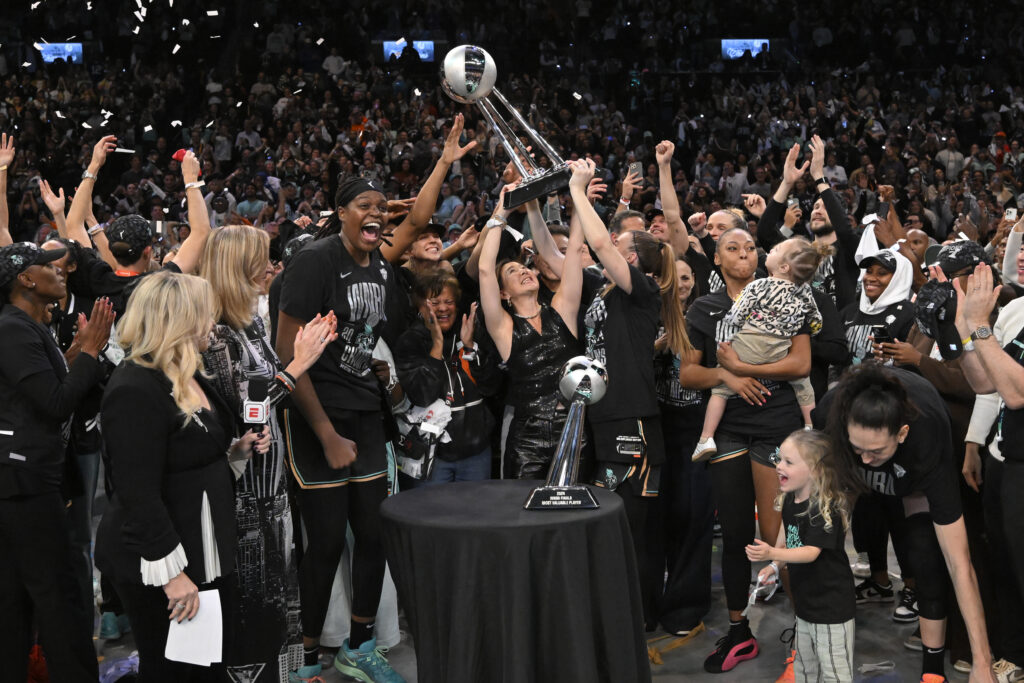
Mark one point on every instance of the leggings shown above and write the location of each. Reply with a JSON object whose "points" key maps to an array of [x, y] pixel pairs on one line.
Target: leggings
{"points": [[875, 519], [326, 513], [928, 565]]}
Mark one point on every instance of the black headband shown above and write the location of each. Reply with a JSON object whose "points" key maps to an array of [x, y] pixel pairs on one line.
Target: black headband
{"points": [[352, 189]]}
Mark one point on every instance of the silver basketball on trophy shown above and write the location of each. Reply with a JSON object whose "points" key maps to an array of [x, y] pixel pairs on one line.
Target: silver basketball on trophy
{"points": [[468, 74], [583, 379]]}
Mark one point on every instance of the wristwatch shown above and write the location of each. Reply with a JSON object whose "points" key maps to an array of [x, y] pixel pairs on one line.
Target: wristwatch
{"points": [[86, 174], [819, 181], [983, 332]]}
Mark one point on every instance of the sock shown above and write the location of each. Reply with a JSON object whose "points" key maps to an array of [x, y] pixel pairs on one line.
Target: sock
{"points": [[739, 628], [932, 661], [360, 633], [311, 656]]}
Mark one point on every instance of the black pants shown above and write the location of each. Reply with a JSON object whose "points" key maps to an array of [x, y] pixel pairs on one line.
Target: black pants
{"points": [[734, 498], [37, 581], [928, 565], [681, 529], [146, 607], [1004, 515], [326, 514], [875, 519]]}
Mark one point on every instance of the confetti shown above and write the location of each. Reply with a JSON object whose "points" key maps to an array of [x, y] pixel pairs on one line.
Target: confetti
{"points": [[184, 22], [176, 48], [139, 16], [170, 3], [238, 105], [70, 38], [175, 123], [25, 65], [59, 115], [255, 24], [211, 12], [86, 125], [104, 122], [319, 41], [296, 92], [147, 129], [166, 210], [122, 150], [215, 37], [400, 42], [36, 4], [37, 46], [88, 6], [210, 123], [416, 92], [135, 30], [577, 96]]}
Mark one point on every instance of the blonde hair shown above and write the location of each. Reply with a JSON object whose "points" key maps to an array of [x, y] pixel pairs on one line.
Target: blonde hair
{"points": [[804, 258], [167, 316], [234, 258], [827, 494]]}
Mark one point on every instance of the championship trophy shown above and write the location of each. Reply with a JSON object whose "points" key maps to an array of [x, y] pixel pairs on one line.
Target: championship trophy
{"points": [[467, 75], [583, 383]]}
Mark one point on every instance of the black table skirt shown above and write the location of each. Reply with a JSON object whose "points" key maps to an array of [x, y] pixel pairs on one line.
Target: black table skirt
{"points": [[498, 594]]}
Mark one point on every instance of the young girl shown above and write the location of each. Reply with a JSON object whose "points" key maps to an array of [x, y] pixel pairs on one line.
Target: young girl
{"points": [[769, 313], [815, 515]]}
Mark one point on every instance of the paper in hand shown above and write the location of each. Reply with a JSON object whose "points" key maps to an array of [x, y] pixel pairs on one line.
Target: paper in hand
{"points": [[201, 640]]}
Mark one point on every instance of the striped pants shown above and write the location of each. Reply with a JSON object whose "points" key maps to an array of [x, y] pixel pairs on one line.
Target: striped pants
{"points": [[824, 652]]}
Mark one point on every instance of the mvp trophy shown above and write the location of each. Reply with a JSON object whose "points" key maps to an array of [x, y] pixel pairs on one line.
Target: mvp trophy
{"points": [[583, 383], [467, 75]]}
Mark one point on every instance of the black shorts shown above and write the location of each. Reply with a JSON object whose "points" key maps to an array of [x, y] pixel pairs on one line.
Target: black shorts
{"points": [[627, 449], [306, 456], [761, 449]]}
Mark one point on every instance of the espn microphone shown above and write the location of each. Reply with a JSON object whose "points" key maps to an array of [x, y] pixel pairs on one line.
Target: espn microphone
{"points": [[256, 409]]}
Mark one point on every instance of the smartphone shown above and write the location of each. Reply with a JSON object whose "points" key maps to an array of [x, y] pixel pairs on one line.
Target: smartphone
{"points": [[793, 201], [368, 175], [883, 211], [1011, 215], [635, 168], [880, 334]]}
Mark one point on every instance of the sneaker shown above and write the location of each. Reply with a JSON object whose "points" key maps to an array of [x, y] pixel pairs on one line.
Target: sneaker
{"points": [[734, 647], [366, 664], [869, 591], [962, 666], [788, 676], [913, 641], [906, 609], [704, 450], [109, 629], [862, 567], [1007, 672], [124, 624], [932, 678], [307, 674]]}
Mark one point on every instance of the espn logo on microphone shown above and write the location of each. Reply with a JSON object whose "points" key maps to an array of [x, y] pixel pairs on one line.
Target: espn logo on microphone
{"points": [[255, 412]]}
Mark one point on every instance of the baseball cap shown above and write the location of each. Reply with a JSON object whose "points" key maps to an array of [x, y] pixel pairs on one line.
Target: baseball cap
{"points": [[884, 258], [129, 236], [961, 254], [437, 229], [16, 258], [652, 213]]}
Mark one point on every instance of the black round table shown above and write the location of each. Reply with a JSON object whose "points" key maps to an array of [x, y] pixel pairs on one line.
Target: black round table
{"points": [[498, 594]]}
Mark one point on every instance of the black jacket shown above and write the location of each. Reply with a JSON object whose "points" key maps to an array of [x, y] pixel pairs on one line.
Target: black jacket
{"points": [[426, 379], [38, 394], [160, 471]]}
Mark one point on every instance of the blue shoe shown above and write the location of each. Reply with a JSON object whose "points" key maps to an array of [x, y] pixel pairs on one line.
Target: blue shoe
{"points": [[109, 629], [306, 674], [366, 664], [124, 624]]}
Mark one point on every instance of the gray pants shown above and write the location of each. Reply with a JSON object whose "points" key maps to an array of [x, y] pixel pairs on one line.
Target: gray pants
{"points": [[824, 652]]}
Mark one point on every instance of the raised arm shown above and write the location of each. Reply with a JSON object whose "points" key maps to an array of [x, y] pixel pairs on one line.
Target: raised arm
{"points": [[499, 215], [499, 322], [81, 204], [422, 210], [596, 234], [677, 234], [629, 186], [1013, 244], [191, 249], [567, 299], [56, 203], [6, 159], [542, 240]]}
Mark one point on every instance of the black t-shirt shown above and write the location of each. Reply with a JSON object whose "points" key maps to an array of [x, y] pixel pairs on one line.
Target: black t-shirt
{"points": [[323, 277], [898, 319], [592, 284], [666, 379], [780, 415], [620, 332], [923, 463], [99, 279], [823, 589]]}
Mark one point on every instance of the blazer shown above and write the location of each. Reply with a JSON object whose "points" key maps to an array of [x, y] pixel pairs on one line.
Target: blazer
{"points": [[160, 470], [39, 395]]}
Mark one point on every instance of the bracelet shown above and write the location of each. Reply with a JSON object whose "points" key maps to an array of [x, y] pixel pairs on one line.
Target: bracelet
{"points": [[495, 223], [3, 168], [197, 184], [95, 229], [774, 566], [624, 201]]}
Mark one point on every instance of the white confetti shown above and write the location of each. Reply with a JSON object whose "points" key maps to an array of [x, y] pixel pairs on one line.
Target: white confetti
{"points": [[70, 38], [36, 4], [296, 92], [25, 65], [238, 105], [143, 10], [577, 96], [122, 150], [400, 42], [211, 12], [175, 123], [176, 48], [185, 22], [135, 30], [147, 129], [59, 115], [209, 124], [215, 37], [170, 3], [416, 92], [88, 6], [139, 16], [255, 24], [319, 41], [166, 210], [104, 122], [37, 46], [85, 124]]}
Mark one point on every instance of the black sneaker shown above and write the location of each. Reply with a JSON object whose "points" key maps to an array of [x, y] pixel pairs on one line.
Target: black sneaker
{"points": [[734, 647], [869, 591], [906, 609]]}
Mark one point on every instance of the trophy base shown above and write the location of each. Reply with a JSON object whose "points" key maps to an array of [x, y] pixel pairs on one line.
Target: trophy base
{"points": [[561, 498], [541, 186]]}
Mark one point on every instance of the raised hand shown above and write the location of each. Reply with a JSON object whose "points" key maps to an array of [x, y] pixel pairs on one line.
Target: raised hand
{"points": [[312, 339], [631, 184], [94, 332], [582, 172], [54, 202], [790, 171], [190, 167], [663, 152], [698, 222], [596, 189], [817, 157], [452, 150], [468, 325], [6, 150], [105, 145], [755, 204]]}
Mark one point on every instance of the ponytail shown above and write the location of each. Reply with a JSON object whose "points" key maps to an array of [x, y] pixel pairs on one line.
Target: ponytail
{"points": [[659, 259]]}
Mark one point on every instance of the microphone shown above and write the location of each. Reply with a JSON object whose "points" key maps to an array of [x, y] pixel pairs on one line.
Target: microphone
{"points": [[256, 409]]}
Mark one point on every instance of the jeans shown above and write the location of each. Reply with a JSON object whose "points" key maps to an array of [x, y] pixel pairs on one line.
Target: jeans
{"points": [[474, 468]]}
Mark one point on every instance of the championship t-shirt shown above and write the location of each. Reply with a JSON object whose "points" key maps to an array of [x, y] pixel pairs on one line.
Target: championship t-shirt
{"points": [[822, 590], [323, 277], [707, 326], [620, 332], [923, 463]]}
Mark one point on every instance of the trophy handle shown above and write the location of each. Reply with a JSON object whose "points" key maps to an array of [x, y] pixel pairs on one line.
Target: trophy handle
{"points": [[486, 108], [548, 150]]}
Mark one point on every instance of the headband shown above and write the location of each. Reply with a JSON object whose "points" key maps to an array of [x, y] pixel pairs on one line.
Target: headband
{"points": [[354, 188]]}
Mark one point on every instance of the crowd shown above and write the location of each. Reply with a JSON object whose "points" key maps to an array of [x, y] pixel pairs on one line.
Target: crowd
{"points": [[805, 297]]}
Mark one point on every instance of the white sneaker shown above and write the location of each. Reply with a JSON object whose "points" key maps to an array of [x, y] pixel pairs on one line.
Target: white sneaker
{"points": [[1007, 672], [704, 450], [862, 567]]}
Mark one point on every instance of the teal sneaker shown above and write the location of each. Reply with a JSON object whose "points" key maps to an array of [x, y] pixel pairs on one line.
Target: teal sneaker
{"points": [[124, 624], [367, 664], [109, 629], [306, 674]]}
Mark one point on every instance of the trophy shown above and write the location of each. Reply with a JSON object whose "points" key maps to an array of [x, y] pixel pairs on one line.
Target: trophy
{"points": [[467, 75], [583, 382]]}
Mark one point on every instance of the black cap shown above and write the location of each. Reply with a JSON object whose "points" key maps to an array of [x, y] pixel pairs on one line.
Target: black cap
{"points": [[935, 310], [437, 229], [652, 213], [129, 236], [16, 258], [961, 254], [884, 258]]}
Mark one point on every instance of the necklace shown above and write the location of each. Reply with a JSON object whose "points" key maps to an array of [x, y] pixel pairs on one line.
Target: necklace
{"points": [[527, 317]]}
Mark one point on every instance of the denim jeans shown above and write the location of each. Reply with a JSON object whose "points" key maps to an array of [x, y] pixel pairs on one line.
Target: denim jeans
{"points": [[474, 468]]}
